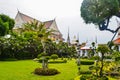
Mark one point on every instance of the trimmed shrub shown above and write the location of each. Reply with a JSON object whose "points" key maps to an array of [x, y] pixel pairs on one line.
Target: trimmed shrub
{"points": [[94, 68], [40, 60], [57, 61], [107, 57], [85, 77], [46, 72], [117, 58], [46, 58], [91, 67], [113, 74], [95, 58], [42, 54], [54, 56], [9, 59], [85, 72], [52, 61], [85, 62]]}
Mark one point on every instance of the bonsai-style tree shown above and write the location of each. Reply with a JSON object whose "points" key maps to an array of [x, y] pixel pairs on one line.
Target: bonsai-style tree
{"points": [[102, 49]]}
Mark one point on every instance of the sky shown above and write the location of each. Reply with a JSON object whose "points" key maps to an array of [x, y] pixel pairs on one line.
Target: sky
{"points": [[65, 12]]}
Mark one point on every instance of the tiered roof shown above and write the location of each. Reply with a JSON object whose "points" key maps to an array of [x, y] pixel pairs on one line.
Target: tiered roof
{"points": [[21, 19], [48, 23], [25, 18]]}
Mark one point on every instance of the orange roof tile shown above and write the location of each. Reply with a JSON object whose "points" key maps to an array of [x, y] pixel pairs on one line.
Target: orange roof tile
{"points": [[117, 41]]}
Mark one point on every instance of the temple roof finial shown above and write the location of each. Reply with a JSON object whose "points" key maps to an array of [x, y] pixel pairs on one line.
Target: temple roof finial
{"points": [[68, 38]]}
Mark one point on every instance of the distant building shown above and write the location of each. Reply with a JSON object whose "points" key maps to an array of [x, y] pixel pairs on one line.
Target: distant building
{"points": [[74, 41], [117, 41], [21, 19]]}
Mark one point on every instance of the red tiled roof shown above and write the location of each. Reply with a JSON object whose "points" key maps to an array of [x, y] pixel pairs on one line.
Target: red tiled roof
{"points": [[48, 23], [117, 41], [26, 18]]}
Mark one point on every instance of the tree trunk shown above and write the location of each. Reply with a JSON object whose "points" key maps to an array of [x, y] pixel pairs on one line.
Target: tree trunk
{"points": [[101, 68], [44, 63]]}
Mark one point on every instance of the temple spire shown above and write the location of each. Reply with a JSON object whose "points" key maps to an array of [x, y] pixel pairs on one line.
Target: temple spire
{"points": [[68, 38], [78, 38]]}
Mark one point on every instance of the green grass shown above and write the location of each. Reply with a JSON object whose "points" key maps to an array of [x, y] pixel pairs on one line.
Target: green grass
{"points": [[22, 70]]}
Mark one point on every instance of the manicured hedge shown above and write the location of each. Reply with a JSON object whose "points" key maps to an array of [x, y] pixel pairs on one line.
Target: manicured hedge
{"points": [[46, 72], [88, 77], [86, 62], [9, 59], [57, 61], [54, 61], [85, 72]]}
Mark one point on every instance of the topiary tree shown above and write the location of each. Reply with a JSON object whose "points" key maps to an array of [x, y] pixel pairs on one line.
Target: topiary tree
{"points": [[43, 56], [54, 56], [102, 49], [42, 35]]}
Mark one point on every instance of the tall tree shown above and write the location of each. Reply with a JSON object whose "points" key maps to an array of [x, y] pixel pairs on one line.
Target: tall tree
{"points": [[99, 12], [6, 24]]}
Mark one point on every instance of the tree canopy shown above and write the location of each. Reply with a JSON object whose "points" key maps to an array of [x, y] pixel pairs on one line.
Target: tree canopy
{"points": [[6, 24], [99, 12], [96, 11]]}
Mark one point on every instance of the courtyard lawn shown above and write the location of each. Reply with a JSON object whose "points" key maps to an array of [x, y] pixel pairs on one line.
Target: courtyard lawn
{"points": [[23, 70]]}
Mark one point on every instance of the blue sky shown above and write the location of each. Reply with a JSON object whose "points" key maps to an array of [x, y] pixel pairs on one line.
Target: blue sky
{"points": [[66, 13]]}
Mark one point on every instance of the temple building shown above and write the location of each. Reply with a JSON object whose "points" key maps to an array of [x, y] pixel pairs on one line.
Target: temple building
{"points": [[21, 19]]}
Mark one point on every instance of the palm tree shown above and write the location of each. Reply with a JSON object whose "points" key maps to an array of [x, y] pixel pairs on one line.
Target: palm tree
{"points": [[42, 34], [102, 49]]}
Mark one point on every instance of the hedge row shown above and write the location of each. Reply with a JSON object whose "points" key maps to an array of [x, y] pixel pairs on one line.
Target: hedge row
{"points": [[54, 61], [84, 62], [88, 77], [85, 72], [57, 61]]}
